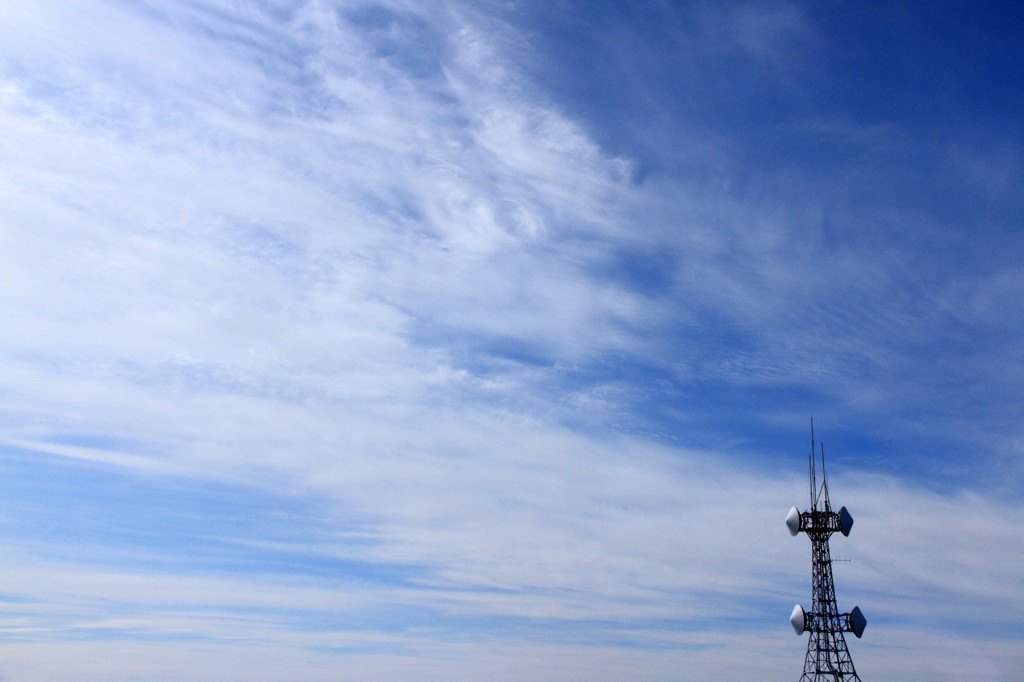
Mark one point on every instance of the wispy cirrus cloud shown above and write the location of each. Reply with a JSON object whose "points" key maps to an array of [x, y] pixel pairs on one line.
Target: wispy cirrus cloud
{"points": [[442, 365]]}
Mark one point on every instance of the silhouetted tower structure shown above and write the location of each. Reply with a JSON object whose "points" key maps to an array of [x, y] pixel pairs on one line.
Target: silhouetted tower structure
{"points": [[827, 656]]}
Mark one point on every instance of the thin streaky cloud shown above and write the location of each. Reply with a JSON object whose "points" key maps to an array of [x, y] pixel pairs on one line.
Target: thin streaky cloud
{"points": [[416, 341]]}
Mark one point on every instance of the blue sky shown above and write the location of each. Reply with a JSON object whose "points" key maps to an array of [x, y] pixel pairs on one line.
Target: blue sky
{"points": [[480, 340]]}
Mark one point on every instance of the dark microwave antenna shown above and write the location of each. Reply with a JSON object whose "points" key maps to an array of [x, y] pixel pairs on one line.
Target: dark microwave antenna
{"points": [[827, 656]]}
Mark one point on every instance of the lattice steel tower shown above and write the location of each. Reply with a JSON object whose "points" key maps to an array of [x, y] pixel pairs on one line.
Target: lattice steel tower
{"points": [[827, 656]]}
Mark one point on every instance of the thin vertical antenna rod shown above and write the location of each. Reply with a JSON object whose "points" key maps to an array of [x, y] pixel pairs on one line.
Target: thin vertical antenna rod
{"points": [[824, 478], [810, 470]]}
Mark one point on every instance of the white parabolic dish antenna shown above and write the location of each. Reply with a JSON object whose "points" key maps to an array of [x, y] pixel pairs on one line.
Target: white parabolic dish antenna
{"points": [[857, 621], [793, 520], [797, 619], [845, 521]]}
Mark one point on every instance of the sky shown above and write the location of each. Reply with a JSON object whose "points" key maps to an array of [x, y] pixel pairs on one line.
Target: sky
{"points": [[480, 339]]}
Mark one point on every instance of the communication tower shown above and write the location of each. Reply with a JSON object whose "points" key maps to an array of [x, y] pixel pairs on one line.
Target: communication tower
{"points": [[827, 656]]}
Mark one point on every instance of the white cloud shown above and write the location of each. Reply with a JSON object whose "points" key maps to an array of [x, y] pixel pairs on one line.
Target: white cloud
{"points": [[269, 247]]}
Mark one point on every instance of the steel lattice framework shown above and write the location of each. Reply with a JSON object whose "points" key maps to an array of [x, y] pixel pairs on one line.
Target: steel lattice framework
{"points": [[827, 656]]}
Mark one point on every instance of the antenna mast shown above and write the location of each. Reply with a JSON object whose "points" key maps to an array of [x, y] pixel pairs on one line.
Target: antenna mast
{"points": [[810, 471], [827, 656]]}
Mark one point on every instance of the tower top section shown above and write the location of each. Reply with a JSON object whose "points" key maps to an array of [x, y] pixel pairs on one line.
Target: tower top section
{"points": [[819, 519]]}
